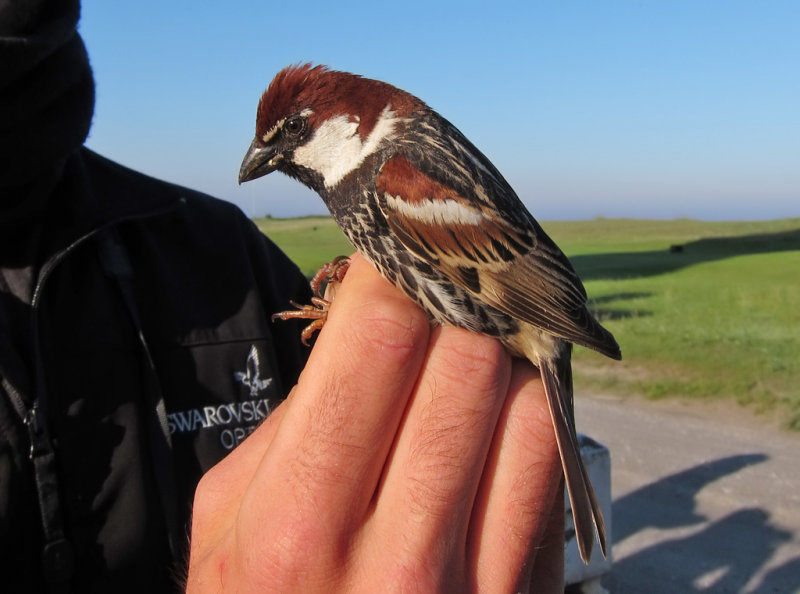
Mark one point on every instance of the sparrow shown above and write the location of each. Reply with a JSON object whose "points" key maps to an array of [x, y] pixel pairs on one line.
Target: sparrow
{"points": [[439, 221]]}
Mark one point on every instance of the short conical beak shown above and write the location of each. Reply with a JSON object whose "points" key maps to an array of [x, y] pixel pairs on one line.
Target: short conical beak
{"points": [[259, 161]]}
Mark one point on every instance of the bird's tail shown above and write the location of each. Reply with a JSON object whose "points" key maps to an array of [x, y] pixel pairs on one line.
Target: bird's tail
{"points": [[588, 519]]}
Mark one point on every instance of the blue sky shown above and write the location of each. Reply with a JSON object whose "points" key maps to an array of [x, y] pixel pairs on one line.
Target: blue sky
{"points": [[597, 108]]}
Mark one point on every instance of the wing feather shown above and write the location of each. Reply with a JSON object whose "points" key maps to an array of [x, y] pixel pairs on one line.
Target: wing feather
{"points": [[518, 268]]}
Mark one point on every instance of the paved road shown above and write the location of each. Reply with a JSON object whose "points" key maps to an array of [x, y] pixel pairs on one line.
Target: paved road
{"points": [[699, 504]]}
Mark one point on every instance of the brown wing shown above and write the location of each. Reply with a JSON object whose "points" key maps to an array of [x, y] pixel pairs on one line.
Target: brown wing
{"points": [[514, 268]]}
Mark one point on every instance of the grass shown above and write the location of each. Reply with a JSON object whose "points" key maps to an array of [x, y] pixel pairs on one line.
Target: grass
{"points": [[716, 318], [309, 241]]}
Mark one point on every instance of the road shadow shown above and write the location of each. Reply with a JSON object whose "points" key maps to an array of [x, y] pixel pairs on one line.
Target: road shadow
{"points": [[674, 494], [721, 556], [625, 265]]}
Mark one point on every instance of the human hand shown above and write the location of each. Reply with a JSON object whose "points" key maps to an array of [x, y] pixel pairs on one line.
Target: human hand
{"points": [[405, 459]]}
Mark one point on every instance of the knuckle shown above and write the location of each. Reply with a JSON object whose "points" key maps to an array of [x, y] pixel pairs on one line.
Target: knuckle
{"points": [[295, 552], [471, 358], [209, 491], [430, 494], [425, 572], [390, 326], [530, 427]]}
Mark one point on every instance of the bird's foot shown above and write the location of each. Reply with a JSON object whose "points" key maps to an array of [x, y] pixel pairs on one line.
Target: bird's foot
{"points": [[331, 274], [317, 312]]}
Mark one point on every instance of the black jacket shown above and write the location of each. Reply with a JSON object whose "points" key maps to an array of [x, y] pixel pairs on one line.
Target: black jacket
{"points": [[152, 356]]}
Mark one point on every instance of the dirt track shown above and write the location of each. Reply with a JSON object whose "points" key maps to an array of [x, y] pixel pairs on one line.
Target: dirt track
{"points": [[706, 498]]}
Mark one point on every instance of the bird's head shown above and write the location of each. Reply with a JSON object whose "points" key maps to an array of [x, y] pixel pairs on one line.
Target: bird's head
{"points": [[318, 125]]}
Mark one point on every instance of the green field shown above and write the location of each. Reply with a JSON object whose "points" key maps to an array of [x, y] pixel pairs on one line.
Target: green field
{"points": [[718, 317], [309, 241]]}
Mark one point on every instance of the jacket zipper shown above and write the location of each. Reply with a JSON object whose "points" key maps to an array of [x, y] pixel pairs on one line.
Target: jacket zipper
{"points": [[57, 554]]}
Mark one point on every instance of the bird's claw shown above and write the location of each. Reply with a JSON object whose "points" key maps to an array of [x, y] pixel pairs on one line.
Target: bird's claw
{"points": [[331, 274], [317, 312]]}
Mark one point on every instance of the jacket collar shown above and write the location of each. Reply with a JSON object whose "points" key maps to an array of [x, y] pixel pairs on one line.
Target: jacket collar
{"points": [[95, 192]]}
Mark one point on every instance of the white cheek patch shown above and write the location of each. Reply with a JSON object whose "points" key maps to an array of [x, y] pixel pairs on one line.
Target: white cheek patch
{"points": [[444, 212], [333, 151], [336, 149]]}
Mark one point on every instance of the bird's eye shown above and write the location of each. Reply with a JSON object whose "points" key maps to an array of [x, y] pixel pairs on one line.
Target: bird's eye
{"points": [[295, 126]]}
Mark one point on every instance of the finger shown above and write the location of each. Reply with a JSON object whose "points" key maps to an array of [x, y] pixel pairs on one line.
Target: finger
{"points": [[520, 487], [221, 488], [547, 571], [435, 468], [327, 454], [217, 503]]}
